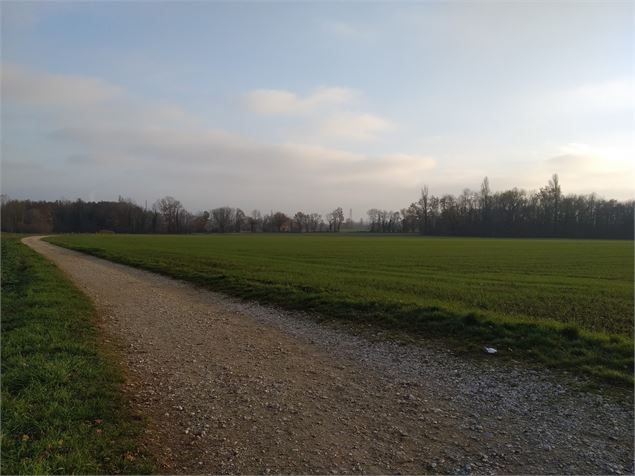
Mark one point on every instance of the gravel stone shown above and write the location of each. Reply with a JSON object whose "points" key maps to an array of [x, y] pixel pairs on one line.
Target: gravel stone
{"points": [[236, 387]]}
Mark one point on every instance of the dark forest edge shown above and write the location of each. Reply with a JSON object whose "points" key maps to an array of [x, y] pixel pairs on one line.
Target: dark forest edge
{"points": [[511, 213]]}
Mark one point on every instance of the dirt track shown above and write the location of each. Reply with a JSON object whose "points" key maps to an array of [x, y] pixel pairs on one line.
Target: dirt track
{"points": [[234, 387]]}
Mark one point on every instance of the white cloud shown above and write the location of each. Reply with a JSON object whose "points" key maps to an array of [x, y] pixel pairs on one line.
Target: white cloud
{"points": [[107, 141], [209, 168], [420, 162], [611, 95], [613, 155], [347, 126], [43, 89], [278, 102], [205, 151], [398, 170], [584, 169], [73, 100], [326, 114], [582, 105], [99, 139]]}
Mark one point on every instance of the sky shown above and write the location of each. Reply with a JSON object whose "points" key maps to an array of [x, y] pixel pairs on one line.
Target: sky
{"points": [[314, 105]]}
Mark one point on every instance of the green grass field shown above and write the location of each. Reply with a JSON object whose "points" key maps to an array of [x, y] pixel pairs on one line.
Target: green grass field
{"points": [[566, 303], [62, 408]]}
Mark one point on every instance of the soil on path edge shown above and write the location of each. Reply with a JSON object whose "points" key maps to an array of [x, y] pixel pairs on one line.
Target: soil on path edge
{"points": [[234, 387]]}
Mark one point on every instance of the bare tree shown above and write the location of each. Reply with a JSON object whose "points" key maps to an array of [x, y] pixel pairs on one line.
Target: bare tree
{"points": [[280, 221], [315, 222], [373, 218], [335, 219], [239, 220], [486, 205], [424, 207], [222, 219], [409, 218], [255, 221], [301, 222], [200, 222], [170, 209], [507, 213], [556, 193]]}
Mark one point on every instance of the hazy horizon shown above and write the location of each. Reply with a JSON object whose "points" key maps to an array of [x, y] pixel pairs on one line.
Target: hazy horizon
{"points": [[316, 105]]}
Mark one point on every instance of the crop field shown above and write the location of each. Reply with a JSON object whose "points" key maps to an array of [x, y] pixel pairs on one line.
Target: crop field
{"points": [[565, 303]]}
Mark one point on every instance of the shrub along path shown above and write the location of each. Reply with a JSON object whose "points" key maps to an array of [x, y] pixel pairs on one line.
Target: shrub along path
{"points": [[233, 387]]}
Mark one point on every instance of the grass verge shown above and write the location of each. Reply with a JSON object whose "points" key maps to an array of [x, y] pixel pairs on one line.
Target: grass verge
{"points": [[605, 357], [62, 405]]}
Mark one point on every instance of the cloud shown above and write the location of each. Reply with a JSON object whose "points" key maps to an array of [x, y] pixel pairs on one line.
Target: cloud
{"points": [[74, 100], [395, 170], [359, 127], [611, 95], [590, 105], [584, 169], [577, 154], [211, 168], [574, 157], [326, 115], [277, 102], [206, 151], [104, 140], [571, 162], [420, 162], [32, 88], [107, 141]]}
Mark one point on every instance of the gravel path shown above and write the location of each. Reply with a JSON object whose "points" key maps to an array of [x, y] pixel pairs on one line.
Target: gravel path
{"points": [[234, 387]]}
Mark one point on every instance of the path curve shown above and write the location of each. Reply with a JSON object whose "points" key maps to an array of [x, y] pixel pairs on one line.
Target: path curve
{"points": [[234, 387]]}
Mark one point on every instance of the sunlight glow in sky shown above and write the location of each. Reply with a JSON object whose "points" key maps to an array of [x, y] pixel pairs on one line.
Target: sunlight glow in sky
{"points": [[310, 106]]}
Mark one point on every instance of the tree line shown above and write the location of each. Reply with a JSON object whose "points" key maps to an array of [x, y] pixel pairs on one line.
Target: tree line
{"points": [[166, 215], [511, 213]]}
